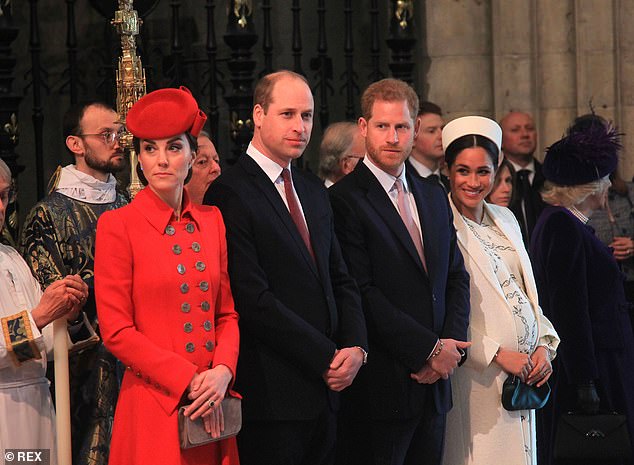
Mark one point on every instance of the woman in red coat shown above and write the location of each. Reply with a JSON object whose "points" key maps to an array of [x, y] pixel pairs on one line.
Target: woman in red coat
{"points": [[163, 297]]}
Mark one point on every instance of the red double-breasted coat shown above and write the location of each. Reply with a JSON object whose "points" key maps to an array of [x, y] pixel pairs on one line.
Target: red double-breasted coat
{"points": [[166, 311]]}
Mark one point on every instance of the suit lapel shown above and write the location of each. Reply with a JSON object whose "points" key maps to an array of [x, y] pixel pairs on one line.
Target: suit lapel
{"points": [[471, 246], [312, 220], [516, 240], [426, 217], [264, 184], [381, 202]]}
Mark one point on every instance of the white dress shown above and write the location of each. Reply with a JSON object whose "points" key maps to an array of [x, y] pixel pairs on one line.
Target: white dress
{"points": [[504, 313], [26, 408]]}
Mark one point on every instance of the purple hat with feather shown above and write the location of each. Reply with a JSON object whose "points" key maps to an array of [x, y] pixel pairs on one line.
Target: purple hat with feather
{"points": [[587, 153]]}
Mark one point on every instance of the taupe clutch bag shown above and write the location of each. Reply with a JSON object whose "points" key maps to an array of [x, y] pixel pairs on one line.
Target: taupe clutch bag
{"points": [[193, 434]]}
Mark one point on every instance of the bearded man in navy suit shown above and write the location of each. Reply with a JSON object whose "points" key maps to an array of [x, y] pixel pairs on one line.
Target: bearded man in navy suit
{"points": [[303, 335], [398, 239]]}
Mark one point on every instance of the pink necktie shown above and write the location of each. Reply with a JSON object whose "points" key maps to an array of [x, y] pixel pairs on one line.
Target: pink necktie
{"points": [[408, 220], [295, 211]]}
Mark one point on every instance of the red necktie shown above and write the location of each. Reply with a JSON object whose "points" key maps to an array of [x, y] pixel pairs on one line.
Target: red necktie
{"points": [[295, 211], [408, 220]]}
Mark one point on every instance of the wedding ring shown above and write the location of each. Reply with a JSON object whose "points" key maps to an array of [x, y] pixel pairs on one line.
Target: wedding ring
{"points": [[211, 403]]}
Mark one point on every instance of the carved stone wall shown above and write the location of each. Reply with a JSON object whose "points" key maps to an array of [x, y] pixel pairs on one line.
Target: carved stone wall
{"points": [[548, 57]]}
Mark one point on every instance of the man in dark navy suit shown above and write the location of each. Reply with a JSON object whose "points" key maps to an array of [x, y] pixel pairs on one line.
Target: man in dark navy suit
{"points": [[396, 232], [519, 141], [303, 335]]}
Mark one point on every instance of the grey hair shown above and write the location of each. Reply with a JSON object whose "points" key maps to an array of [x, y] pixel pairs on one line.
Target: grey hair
{"points": [[337, 139], [568, 196], [5, 172], [204, 133]]}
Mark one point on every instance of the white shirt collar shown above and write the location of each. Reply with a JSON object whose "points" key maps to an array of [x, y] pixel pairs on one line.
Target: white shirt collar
{"points": [[271, 168], [530, 167], [385, 179], [577, 213], [421, 169]]}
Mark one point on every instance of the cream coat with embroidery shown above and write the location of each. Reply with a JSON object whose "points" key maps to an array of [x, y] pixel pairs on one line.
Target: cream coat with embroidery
{"points": [[479, 430]]}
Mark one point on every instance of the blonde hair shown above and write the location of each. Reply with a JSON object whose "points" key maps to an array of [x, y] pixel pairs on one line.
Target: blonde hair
{"points": [[568, 196]]}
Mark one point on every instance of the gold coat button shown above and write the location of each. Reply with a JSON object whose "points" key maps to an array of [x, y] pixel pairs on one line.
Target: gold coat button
{"points": [[196, 247], [204, 286], [189, 347], [177, 249], [184, 288], [200, 266], [209, 346], [205, 306], [190, 228], [188, 327], [207, 325], [169, 230], [180, 268], [185, 307]]}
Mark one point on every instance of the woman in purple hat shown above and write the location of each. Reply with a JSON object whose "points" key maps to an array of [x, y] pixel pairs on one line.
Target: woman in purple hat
{"points": [[580, 284], [163, 297]]}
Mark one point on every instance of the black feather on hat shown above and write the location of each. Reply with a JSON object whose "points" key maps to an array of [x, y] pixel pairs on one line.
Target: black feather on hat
{"points": [[588, 153]]}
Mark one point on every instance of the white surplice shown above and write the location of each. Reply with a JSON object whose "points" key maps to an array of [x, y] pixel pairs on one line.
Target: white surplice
{"points": [[26, 408]]}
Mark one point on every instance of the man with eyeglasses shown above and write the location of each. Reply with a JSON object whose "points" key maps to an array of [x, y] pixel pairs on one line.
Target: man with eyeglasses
{"points": [[58, 239], [342, 146]]}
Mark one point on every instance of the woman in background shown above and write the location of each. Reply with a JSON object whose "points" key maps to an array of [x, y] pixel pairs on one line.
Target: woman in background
{"points": [[163, 296], [205, 170], [508, 332], [502, 191]]}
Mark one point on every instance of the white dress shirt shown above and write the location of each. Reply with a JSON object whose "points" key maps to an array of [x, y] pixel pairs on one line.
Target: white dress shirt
{"points": [[387, 182], [274, 173]]}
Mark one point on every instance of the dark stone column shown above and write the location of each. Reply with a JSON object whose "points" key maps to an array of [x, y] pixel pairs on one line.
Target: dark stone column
{"points": [[240, 37], [9, 102]]}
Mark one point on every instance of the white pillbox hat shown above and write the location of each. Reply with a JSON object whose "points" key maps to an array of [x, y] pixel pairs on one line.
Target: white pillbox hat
{"points": [[478, 125]]}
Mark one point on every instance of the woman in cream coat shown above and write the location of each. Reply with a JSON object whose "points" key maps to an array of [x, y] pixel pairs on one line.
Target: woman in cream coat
{"points": [[508, 331]]}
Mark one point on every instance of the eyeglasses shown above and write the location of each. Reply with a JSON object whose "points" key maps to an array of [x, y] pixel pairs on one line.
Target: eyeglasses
{"points": [[7, 196], [109, 137]]}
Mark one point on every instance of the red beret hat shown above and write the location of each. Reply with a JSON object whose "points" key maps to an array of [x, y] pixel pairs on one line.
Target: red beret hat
{"points": [[165, 113]]}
